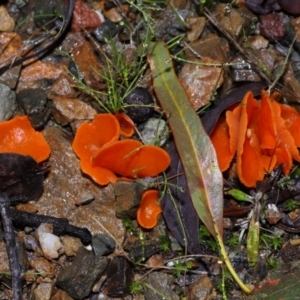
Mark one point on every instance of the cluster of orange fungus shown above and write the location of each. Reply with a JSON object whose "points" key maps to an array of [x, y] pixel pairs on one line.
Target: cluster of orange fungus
{"points": [[149, 209], [262, 134], [18, 136], [103, 156]]}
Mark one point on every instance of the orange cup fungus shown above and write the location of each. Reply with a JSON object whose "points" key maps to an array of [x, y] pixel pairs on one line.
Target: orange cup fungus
{"points": [[102, 155], [263, 134], [149, 209], [18, 136], [127, 128]]}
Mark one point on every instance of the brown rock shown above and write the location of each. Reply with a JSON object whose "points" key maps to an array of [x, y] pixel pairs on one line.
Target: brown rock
{"points": [[209, 46], [116, 14], [7, 22], [296, 23], [65, 184], [11, 76], [44, 290], [88, 64], [40, 70], [43, 266], [4, 264], [292, 84], [200, 289], [155, 260], [273, 215], [195, 28], [162, 283], [11, 43], [66, 110], [62, 87], [60, 295], [84, 18], [200, 82], [242, 71], [71, 244], [257, 42], [128, 196], [272, 27], [292, 7], [267, 59], [180, 4], [28, 207], [230, 19]]}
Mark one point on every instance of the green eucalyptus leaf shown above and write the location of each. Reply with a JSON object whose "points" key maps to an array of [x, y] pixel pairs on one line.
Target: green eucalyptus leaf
{"points": [[197, 154]]}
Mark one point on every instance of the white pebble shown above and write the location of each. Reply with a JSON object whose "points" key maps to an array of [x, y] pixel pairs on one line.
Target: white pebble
{"points": [[50, 243]]}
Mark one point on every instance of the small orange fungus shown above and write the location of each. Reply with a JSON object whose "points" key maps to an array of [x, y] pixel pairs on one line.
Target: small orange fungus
{"points": [[126, 125], [149, 209], [263, 134], [18, 136], [103, 156]]}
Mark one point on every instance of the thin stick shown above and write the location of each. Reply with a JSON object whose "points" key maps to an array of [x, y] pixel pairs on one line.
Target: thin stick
{"points": [[285, 63], [11, 248]]}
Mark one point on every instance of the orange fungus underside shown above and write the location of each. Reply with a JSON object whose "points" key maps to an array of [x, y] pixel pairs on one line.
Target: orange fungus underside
{"points": [[18, 136], [263, 134], [149, 209]]}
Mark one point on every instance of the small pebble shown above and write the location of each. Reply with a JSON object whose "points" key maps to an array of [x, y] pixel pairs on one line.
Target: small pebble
{"points": [[119, 274], [44, 290], [8, 102], [71, 244], [230, 19], [66, 110], [35, 105], [103, 244], [43, 267], [200, 82], [106, 31], [141, 105], [200, 289], [195, 28], [128, 198], [7, 22], [59, 294], [49, 242], [272, 27], [85, 269], [162, 283], [155, 132], [84, 18], [290, 6]]}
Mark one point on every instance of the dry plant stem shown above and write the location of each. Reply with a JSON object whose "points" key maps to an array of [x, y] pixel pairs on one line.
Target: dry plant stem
{"points": [[11, 247], [60, 225], [249, 56], [283, 67]]}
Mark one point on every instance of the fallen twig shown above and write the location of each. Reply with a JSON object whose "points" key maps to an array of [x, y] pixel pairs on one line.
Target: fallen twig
{"points": [[61, 226], [11, 247]]}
